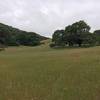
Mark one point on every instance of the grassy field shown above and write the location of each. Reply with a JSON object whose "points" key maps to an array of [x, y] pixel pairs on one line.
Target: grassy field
{"points": [[42, 73]]}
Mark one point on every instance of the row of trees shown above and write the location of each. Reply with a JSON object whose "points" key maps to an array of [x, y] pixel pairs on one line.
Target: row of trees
{"points": [[77, 34], [10, 36]]}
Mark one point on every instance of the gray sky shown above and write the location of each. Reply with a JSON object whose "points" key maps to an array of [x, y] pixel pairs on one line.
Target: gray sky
{"points": [[45, 16]]}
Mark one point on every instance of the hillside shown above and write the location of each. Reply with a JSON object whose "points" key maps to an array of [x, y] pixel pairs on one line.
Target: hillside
{"points": [[42, 73], [13, 36]]}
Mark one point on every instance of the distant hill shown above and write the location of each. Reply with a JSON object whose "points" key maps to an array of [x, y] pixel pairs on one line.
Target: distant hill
{"points": [[13, 36]]}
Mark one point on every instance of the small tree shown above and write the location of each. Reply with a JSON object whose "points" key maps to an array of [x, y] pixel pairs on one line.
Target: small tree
{"points": [[57, 38]]}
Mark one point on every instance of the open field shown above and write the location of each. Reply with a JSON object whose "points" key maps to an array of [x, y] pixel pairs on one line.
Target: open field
{"points": [[42, 73]]}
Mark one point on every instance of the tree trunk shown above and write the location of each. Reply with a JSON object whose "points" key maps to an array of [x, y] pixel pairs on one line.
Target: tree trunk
{"points": [[80, 44], [70, 44]]}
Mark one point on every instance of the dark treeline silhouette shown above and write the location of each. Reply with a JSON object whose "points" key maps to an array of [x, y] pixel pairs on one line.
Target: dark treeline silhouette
{"points": [[10, 36], [77, 34]]}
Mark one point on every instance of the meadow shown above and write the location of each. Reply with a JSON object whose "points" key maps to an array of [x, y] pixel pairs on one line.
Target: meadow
{"points": [[42, 73]]}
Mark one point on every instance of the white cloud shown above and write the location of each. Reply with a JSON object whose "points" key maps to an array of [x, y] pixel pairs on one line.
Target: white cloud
{"points": [[45, 16]]}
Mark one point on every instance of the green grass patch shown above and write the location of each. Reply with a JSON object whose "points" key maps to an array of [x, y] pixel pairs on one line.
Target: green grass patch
{"points": [[42, 73]]}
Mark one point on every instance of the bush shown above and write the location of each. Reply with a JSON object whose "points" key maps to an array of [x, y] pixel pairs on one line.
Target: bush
{"points": [[52, 45]]}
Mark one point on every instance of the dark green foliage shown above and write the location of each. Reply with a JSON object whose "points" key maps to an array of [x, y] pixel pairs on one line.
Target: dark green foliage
{"points": [[12, 41], [75, 34], [97, 36], [13, 37], [58, 37], [52, 45]]}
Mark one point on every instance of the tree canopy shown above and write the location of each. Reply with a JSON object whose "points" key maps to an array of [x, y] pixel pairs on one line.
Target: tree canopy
{"points": [[76, 34]]}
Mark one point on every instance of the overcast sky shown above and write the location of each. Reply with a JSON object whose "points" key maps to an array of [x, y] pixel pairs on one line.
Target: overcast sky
{"points": [[45, 16]]}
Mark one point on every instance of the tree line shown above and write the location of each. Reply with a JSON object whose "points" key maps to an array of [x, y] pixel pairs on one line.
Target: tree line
{"points": [[77, 34], [10, 36]]}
